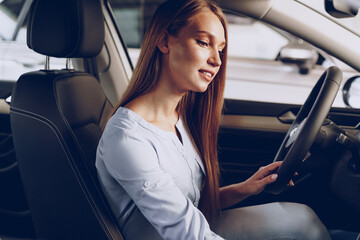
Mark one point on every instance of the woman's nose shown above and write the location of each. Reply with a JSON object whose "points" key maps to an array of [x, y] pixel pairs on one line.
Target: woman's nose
{"points": [[214, 59]]}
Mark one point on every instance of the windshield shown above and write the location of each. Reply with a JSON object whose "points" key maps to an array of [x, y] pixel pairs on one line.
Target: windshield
{"points": [[351, 23]]}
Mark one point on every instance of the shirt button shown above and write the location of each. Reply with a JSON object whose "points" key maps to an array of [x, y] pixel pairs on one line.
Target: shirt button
{"points": [[147, 184]]}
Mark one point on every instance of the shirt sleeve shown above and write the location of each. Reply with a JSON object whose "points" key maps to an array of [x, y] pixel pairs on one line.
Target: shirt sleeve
{"points": [[133, 163]]}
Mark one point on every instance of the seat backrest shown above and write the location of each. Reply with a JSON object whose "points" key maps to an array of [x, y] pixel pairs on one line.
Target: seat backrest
{"points": [[57, 117]]}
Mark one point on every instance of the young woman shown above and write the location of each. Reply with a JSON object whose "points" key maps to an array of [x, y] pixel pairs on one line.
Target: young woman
{"points": [[157, 158]]}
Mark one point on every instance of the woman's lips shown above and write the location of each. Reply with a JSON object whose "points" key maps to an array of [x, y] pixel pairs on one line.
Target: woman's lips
{"points": [[206, 74]]}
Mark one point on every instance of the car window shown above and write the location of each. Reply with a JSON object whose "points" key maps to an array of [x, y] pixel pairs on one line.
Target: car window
{"points": [[246, 39], [353, 23], [132, 18], [128, 20], [260, 69], [9, 12], [264, 63]]}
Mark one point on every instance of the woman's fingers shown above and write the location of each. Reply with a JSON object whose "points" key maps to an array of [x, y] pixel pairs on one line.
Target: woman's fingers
{"points": [[291, 183], [269, 179], [269, 169], [264, 176]]}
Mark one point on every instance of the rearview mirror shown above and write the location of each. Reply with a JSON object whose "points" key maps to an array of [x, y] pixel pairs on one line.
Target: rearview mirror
{"points": [[351, 92], [342, 8], [299, 53]]}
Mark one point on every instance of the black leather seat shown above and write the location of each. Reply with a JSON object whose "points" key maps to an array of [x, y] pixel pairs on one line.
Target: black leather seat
{"points": [[57, 117]]}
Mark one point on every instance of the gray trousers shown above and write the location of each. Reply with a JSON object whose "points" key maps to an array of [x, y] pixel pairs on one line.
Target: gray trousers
{"points": [[273, 221]]}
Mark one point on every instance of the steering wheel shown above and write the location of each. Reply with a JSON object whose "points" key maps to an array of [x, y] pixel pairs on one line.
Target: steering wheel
{"points": [[305, 127]]}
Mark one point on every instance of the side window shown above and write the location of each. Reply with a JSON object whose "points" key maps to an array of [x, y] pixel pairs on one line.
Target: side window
{"points": [[267, 64], [252, 39], [129, 23], [132, 18], [13, 19], [9, 12]]}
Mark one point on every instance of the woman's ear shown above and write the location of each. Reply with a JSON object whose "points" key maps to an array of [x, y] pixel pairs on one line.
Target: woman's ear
{"points": [[163, 43]]}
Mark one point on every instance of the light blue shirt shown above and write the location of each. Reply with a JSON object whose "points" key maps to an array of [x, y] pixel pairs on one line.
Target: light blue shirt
{"points": [[139, 163]]}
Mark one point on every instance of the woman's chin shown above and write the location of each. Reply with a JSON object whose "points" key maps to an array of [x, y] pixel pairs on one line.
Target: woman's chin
{"points": [[202, 88]]}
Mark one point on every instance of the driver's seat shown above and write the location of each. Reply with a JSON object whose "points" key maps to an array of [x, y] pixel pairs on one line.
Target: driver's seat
{"points": [[57, 118]]}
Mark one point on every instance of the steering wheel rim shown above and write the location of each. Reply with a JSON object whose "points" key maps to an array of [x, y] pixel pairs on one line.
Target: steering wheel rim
{"points": [[305, 127]]}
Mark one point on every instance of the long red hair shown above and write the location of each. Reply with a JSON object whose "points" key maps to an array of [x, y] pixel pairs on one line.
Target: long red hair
{"points": [[201, 112]]}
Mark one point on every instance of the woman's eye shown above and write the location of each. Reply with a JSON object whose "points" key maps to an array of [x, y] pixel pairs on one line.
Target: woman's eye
{"points": [[221, 53], [202, 43]]}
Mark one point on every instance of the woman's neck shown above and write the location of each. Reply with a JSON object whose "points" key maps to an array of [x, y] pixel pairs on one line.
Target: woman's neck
{"points": [[158, 107]]}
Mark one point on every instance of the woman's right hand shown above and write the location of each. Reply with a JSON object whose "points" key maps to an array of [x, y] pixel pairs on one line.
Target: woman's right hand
{"points": [[232, 194], [257, 182]]}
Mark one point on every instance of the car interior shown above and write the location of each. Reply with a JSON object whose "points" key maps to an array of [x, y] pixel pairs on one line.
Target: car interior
{"points": [[50, 131]]}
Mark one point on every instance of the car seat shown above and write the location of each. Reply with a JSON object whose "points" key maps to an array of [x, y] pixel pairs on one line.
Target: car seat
{"points": [[57, 117]]}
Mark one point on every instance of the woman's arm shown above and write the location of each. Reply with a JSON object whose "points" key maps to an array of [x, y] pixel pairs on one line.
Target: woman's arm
{"points": [[235, 193]]}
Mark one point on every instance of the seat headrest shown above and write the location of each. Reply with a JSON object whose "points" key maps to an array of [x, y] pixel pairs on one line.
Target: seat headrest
{"points": [[66, 28]]}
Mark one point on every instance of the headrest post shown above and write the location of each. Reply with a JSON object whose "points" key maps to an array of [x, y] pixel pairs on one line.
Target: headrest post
{"points": [[47, 63], [68, 64]]}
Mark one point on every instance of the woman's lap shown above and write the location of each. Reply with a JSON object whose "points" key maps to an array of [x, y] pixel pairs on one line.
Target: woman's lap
{"points": [[271, 221], [275, 221], [344, 235]]}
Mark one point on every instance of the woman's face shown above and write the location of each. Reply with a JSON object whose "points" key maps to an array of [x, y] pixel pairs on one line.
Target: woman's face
{"points": [[193, 57]]}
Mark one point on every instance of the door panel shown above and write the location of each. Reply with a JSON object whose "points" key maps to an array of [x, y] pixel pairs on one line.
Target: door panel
{"points": [[250, 134]]}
